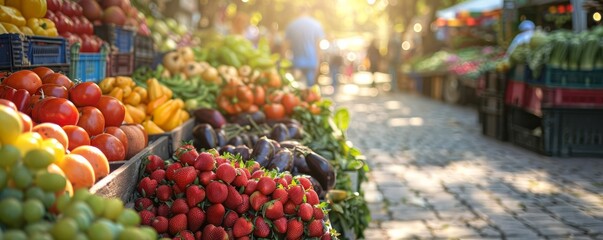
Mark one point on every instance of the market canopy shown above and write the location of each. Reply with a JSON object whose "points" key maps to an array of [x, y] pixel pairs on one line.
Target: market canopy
{"points": [[470, 6]]}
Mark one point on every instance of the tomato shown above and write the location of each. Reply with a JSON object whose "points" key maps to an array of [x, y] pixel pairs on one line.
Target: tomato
{"points": [[276, 97], [54, 5], [289, 101], [113, 110], [274, 111], [54, 90], [8, 104], [24, 79], [259, 95], [71, 38], [110, 145], [314, 109], [58, 78], [85, 94], [77, 136], [311, 95], [91, 120], [64, 24], [87, 27], [90, 44], [42, 71], [119, 134], [77, 25], [55, 110]]}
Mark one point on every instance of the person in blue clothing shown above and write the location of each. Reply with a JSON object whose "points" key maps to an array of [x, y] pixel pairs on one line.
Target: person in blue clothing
{"points": [[526, 28], [302, 37]]}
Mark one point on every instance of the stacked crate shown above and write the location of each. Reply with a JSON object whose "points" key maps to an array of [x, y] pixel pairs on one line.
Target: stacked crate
{"points": [[144, 51], [121, 56], [19, 52], [88, 67], [492, 111], [559, 113]]}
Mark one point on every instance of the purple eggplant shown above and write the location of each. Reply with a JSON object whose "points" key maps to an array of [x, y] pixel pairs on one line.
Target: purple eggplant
{"points": [[235, 141], [321, 169], [317, 187], [245, 119], [279, 132], [263, 151], [290, 144], [227, 149], [244, 151], [204, 136], [210, 116], [220, 137], [299, 162], [282, 160], [295, 131]]}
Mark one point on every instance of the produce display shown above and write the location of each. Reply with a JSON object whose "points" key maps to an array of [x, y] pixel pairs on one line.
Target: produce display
{"points": [[468, 62], [26, 17], [72, 24], [37, 200]]}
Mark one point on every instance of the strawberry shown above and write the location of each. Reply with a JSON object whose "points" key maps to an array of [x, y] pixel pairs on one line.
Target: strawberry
{"points": [[274, 210], [240, 179], [146, 217], [184, 176], [234, 198], [281, 195], [179, 206], [244, 207], [211, 232], [215, 214], [158, 175], [315, 228], [164, 193], [194, 195], [253, 168], [177, 191], [186, 154], [257, 199], [326, 236], [226, 173], [266, 185], [251, 186], [257, 174], [143, 204], [246, 172], [205, 162], [216, 192], [196, 218], [280, 225], [305, 182], [177, 223], [186, 235], [295, 229], [290, 208], [230, 219], [160, 224], [147, 187], [220, 160], [261, 228], [154, 162], [198, 235], [318, 213], [296, 194], [242, 227], [305, 212], [163, 210], [288, 178], [312, 197], [206, 177], [171, 169], [282, 182]]}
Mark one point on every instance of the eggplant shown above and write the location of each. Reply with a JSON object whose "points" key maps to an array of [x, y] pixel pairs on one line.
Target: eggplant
{"points": [[245, 119], [263, 151], [244, 151], [322, 170], [235, 141], [299, 162], [279, 132], [204, 136], [282, 160], [277, 145], [254, 139], [290, 144], [295, 131], [221, 137], [227, 149], [211, 116], [317, 188], [246, 140]]}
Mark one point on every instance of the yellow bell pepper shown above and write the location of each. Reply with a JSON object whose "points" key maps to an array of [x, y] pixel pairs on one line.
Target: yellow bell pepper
{"points": [[154, 88], [29, 8], [2, 29], [151, 128], [142, 92], [184, 115], [137, 115], [26, 30], [11, 15], [11, 28], [142, 107], [128, 117], [132, 99], [172, 123], [167, 91], [122, 81], [163, 113], [155, 104], [107, 84], [117, 93], [42, 27]]}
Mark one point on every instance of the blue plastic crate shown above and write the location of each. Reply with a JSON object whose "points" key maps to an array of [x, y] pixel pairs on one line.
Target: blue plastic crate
{"points": [[118, 37], [88, 67], [571, 78], [13, 51], [47, 50]]}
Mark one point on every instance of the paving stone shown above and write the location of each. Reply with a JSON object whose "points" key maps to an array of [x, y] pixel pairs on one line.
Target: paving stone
{"points": [[557, 231], [375, 233], [406, 229]]}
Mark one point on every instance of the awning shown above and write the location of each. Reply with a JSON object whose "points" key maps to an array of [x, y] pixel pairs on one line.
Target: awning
{"points": [[470, 6]]}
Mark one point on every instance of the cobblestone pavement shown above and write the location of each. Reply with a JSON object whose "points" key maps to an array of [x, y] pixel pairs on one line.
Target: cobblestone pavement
{"points": [[434, 176]]}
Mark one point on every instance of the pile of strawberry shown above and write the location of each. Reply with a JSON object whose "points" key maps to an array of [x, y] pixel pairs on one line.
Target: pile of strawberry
{"points": [[208, 196]]}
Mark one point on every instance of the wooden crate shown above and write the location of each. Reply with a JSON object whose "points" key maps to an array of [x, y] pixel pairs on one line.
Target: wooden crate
{"points": [[122, 182], [437, 83], [175, 137]]}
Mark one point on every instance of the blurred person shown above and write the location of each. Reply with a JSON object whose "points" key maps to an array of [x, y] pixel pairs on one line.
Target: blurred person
{"points": [[302, 37], [526, 28], [373, 56], [394, 52], [335, 64], [241, 26]]}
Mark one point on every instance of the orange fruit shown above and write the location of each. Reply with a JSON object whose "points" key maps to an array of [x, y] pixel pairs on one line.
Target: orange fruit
{"points": [[78, 171], [51, 130], [97, 159], [53, 168]]}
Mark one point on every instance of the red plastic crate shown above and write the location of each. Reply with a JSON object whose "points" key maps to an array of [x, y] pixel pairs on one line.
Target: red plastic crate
{"points": [[533, 100], [564, 97], [515, 93]]}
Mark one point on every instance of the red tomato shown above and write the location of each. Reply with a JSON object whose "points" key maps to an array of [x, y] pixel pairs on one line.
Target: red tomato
{"points": [[85, 94], [91, 120], [71, 38], [289, 101], [58, 78], [77, 136], [8, 104], [78, 28], [89, 44], [274, 111], [55, 110], [110, 145], [87, 27], [54, 5], [54, 90], [63, 24], [113, 110], [77, 9], [42, 72], [23, 79], [259, 95], [119, 134]]}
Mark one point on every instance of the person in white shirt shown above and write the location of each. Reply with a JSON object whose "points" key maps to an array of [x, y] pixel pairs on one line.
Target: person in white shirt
{"points": [[527, 30]]}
